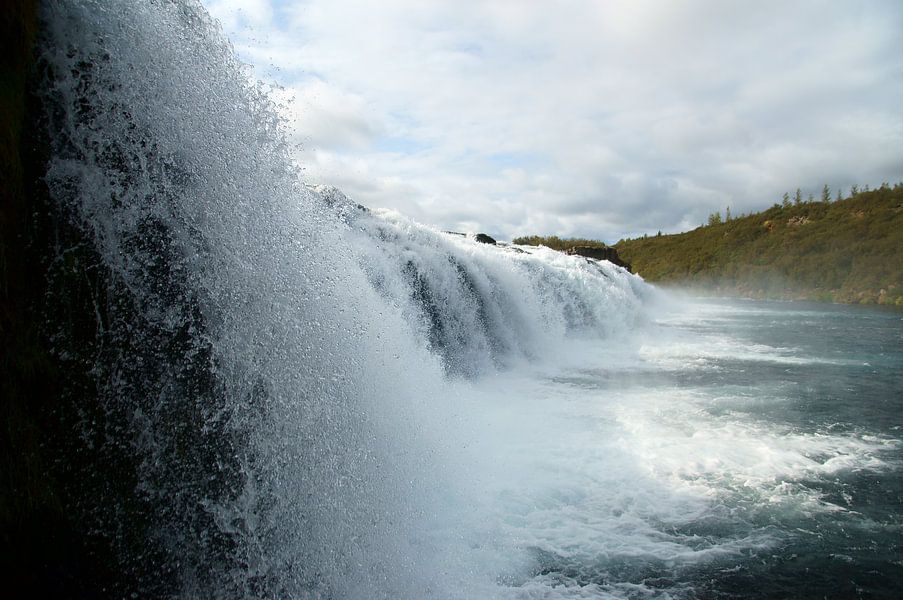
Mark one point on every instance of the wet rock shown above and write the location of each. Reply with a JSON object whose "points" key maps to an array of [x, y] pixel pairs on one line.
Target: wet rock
{"points": [[599, 253]]}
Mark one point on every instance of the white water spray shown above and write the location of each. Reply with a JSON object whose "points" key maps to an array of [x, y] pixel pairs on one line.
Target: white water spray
{"points": [[272, 359]]}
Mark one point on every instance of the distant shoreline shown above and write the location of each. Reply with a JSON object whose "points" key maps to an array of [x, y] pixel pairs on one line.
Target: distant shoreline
{"points": [[844, 251], [725, 294], [847, 251]]}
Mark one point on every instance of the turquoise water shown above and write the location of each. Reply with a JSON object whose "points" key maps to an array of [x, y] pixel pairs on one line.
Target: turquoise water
{"points": [[732, 449], [847, 386]]}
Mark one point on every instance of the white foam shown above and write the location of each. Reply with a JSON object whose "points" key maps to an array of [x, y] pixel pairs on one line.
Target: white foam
{"points": [[593, 466]]}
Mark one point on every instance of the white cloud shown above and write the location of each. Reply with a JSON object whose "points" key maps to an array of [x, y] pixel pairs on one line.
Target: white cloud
{"points": [[235, 14], [602, 119], [323, 117]]}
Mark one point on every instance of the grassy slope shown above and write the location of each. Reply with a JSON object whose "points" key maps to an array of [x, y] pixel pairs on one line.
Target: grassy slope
{"points": [[845, 251]]}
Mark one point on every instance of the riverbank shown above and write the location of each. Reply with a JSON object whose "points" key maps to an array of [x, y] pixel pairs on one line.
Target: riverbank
{"points": [[846, 251]]}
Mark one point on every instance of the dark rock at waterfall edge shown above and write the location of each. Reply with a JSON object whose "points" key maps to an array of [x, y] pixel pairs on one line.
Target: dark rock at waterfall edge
{"points": [[598, 253], [72, 520], [848, 249], [480, 237], [42, 551]]}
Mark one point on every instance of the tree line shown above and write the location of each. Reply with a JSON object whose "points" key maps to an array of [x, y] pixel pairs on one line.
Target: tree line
{"points": [[837, 248], [715, 218]]}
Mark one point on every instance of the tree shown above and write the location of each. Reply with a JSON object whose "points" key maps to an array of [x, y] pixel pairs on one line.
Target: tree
{"points": [[798, 197], [810, 199], [785, 201], [826, 194], [854, 189], [839, 196], [727, 214], [715, 218]]}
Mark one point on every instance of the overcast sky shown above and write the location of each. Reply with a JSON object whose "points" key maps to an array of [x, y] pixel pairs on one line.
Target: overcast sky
{"points": [[595, 118]]}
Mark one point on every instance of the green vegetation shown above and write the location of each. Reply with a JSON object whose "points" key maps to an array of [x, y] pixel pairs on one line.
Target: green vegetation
{"points": [[556, 243], [849, 250]]}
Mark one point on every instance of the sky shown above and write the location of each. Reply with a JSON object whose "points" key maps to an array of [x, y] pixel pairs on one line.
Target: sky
{"points": [[605, 119]]}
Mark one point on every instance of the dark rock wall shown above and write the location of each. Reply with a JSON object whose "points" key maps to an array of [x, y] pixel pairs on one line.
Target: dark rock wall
{"points": [[43, 552]]}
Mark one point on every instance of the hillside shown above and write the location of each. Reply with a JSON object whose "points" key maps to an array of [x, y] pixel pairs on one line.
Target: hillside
{"points": [[850, 251], [556, 243]]}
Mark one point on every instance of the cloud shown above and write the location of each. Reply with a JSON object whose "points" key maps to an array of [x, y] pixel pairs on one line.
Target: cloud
{"points": [[602, 119], [324, 117], [241, 14]]}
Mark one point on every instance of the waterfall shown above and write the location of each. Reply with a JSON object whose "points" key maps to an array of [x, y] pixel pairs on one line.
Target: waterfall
{"points": [[257, 369]]}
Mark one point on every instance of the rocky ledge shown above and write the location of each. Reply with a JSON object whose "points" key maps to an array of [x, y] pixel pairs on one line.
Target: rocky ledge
{"points": [[599, 253]]}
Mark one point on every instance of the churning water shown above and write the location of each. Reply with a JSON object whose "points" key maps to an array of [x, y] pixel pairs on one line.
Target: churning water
{"points": [[730, 449], [301, 397]]}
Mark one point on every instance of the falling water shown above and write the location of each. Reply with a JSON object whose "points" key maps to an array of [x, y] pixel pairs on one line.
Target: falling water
{"points": [[269, 360]]}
